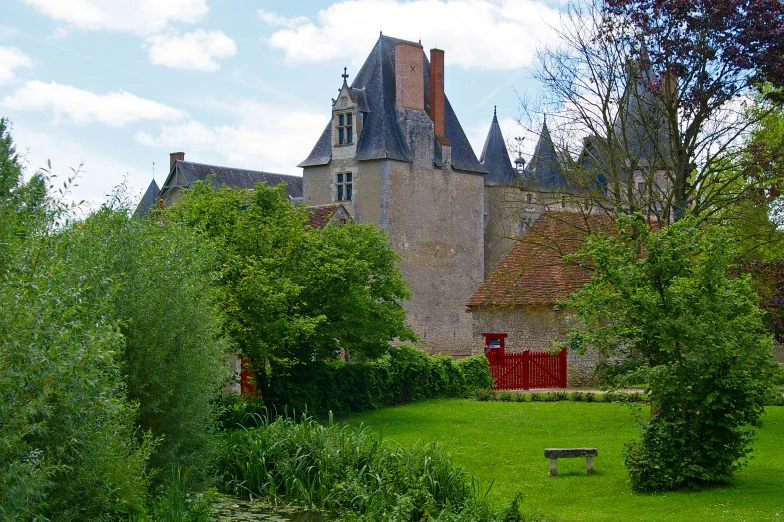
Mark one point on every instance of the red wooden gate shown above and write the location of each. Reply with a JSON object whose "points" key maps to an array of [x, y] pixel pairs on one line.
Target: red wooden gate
{"points": [[527, 370]]}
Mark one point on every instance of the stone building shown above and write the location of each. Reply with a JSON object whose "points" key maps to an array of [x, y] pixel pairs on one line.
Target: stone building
{"points": [[394, 154], [521, 296], [469, 231]]}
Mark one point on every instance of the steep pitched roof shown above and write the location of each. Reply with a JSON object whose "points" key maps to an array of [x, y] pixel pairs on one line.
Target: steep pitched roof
{"points": [[148, 199], [382, 137], [495, 157], [534, 272], [320, 216], [191, 172], [545, 169]]}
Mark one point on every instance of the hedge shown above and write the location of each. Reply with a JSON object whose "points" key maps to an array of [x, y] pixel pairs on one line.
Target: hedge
{"points": [[405, 374]]}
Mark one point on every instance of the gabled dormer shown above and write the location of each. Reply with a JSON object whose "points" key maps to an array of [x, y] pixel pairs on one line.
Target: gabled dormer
{"points": [[348, 117]]}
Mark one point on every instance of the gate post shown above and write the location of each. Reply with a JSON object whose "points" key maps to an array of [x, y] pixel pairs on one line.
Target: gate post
{"points": [[562, 373], [526, 369]]}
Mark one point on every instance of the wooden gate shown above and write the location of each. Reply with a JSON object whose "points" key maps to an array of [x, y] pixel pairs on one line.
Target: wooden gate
{"points": [[527, 370]]}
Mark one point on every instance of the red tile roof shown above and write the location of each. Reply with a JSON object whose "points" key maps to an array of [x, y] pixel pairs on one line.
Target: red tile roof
{"points": [[534, 272], [319, 215]]}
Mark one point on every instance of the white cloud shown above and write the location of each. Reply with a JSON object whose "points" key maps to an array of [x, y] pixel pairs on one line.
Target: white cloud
{"points": [[510, 30], [11, 59], [134, 16], [64, 102], [263, 137], [197, 50], [98, 174]]}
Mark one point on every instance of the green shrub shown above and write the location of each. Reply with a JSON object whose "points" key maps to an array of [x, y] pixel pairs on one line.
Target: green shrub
{"points": [[349, 473], [404, 374], [156, 280], [69, 449]]}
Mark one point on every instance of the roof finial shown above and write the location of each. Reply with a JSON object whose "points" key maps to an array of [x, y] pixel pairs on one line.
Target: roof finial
{"points": [[153, 171], [344, 75], [494, 110]]}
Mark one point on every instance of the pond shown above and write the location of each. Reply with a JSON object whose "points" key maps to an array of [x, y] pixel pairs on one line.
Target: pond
{"points": [[232, 509]]}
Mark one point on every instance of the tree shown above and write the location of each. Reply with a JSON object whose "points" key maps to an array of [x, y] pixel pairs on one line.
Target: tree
{"points": [[158, 283], [68, 441], [652, 92], [292, 294], [692, 334]]}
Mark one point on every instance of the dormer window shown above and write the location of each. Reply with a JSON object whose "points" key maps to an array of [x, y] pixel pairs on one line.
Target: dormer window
{"points": [[345, 129]]}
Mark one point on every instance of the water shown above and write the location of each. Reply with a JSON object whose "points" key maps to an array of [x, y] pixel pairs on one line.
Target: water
{"points": [[232, 509]]}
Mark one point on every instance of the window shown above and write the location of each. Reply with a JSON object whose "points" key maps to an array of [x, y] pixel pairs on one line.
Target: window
{"points": [[345, 129], [641, 186], [529, 198], [344, 183]]}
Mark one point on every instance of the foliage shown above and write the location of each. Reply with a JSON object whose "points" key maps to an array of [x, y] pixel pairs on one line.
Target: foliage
{"points": [[405, 374], [736, 43], [652, 94], [176, 502], [576, 396], [69, 447], [157, 281], [715, 53], [294, 295], [692, 334], [349, 472], [501, 443]]}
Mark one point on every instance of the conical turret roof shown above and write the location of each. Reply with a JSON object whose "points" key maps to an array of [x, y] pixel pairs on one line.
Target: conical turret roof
{"points": [[148, 199], [495, 157], [545, 169]]}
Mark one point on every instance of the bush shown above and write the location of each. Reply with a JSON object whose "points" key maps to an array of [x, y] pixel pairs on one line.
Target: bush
{"points": [[69, 448], [692, 333], [156, 280], [350, 473], [404, 374]]}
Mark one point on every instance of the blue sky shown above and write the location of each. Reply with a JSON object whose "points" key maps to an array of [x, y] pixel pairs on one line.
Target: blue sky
{"points": [[116, 85]]}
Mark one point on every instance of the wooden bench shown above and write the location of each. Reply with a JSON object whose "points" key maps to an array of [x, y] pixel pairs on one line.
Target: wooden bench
{"points": [[569, 453]]}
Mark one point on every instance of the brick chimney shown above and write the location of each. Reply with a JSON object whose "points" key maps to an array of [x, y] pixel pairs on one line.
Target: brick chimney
{"points": [[409, 78], [174, 156], [437, 90]]}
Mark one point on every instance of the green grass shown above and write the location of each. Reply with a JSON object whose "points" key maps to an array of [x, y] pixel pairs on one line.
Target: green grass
{"points": [[502, 443]]}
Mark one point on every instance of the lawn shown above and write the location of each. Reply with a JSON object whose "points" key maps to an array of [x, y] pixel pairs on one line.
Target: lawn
{"points": [[502, 443]]}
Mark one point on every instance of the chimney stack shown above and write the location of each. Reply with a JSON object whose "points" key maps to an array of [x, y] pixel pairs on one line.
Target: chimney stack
{"points": [[409, 77], [437, 90], [174, 156]]}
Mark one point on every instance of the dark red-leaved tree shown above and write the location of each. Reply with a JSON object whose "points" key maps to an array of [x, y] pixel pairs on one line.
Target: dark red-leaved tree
{"points": [[656, 95], [716, 52]]}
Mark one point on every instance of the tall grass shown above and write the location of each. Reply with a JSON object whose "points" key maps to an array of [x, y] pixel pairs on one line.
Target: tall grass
{"points": [[347, 471]]}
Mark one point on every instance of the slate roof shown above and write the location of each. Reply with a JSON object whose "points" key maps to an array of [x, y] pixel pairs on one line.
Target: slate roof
{"points": [[148, 199], [320, 215], [644, 140], [231, 177], [545, 170], [495, 157], [382, 137], [534, 271]]}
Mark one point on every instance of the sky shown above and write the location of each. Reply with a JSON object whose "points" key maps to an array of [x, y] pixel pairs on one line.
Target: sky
{"points": [[109, 88]]}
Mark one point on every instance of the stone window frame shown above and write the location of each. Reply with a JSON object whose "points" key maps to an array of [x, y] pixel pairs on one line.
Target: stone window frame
{"points": [[345, 131], [339, 187]]}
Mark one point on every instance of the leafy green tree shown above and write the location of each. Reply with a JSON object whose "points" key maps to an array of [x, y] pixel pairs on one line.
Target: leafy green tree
{"points": [[661, 310], [68, 442], [292, 294], [158, 282]]}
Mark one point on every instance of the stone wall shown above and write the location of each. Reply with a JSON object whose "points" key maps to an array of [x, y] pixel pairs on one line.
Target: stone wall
{"points": [[434, 221], [778, 353], [533, 328]]}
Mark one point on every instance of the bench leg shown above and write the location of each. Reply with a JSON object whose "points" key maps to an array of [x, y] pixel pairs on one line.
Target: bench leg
{"points": [[589, 464], [553, 467]]}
